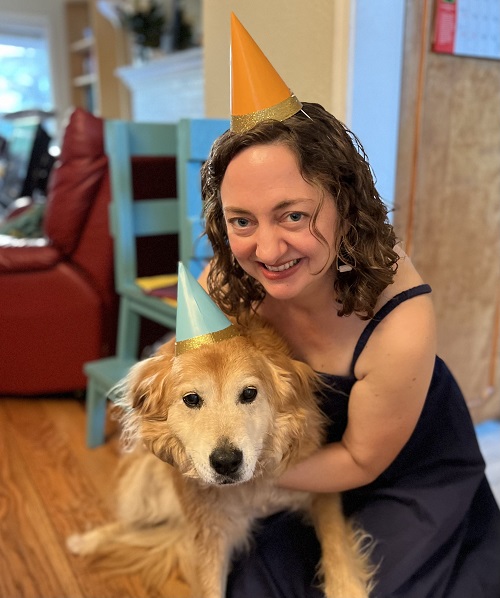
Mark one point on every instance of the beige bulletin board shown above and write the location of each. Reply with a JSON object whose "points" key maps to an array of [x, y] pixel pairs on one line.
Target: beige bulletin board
{"points": [[447, 205]]}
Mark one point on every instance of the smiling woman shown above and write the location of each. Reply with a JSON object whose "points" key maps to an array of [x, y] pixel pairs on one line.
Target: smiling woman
{"points": [[278, 239], [351, 305]]}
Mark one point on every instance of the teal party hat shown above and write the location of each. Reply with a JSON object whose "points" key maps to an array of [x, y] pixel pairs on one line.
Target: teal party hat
{"points": [[199, 320]]}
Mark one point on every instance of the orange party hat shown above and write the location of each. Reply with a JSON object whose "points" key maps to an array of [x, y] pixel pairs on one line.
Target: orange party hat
{"points": [[257, 91]]}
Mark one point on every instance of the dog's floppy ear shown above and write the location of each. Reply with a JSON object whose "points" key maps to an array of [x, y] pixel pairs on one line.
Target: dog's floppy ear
{"points": [[144, 398], [299, 423], [151, 392], [277, 352], [140, 379], [147, 378]]}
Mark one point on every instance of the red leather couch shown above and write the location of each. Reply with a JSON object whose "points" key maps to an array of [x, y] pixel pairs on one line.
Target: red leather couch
{"points": [[58, 307]]}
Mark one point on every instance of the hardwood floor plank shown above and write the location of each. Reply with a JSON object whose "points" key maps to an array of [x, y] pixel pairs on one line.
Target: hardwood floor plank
{"points": [[33, 562], [67, 493], [100, 463]]}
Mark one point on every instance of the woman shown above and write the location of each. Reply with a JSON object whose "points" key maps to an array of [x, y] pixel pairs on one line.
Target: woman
{"points": [[301, 237]]}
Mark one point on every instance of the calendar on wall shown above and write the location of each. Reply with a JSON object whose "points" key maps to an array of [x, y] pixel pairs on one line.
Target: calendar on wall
{"points": [[467, 28]]}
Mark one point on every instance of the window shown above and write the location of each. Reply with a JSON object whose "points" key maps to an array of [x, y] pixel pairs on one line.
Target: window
{"points": [[25, 90], [25, 80]]}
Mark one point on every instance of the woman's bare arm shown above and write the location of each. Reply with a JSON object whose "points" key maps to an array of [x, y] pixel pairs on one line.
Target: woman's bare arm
{"points": [[393, 376]]}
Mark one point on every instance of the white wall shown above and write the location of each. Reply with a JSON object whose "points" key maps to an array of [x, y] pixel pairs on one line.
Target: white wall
{"points": [[296, 36]]}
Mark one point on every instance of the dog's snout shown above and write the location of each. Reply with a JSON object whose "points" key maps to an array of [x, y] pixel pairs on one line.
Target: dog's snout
{"points": [[226, 459]]}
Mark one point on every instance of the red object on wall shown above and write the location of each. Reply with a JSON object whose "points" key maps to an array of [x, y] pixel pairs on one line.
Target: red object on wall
{"points": [[445, 26]]}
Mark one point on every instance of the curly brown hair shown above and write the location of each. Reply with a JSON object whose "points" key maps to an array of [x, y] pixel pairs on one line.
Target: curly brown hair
{"points": [[330, 157]]}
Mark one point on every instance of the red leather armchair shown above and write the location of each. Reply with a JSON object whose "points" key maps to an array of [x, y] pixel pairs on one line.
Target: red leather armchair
{"points": [[58, 307]]}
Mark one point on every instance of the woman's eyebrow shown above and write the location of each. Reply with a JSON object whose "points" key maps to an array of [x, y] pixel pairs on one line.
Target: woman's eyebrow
{"points": [[233, 210], [282, 205], [289, 203]]}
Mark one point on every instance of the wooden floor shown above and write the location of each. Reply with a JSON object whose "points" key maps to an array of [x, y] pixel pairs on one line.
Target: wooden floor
{"points": [[51, 486]]}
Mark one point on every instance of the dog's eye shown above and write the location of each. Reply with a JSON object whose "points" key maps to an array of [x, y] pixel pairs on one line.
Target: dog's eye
{"points": [[248, 394], [192, 400]]}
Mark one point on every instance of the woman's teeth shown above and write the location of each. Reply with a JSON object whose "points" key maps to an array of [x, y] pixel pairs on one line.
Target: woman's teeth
{"points": [[282, 267]]}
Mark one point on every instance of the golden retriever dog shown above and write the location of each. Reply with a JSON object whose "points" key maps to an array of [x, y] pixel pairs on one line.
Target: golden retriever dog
{"points": [[210, 431]]}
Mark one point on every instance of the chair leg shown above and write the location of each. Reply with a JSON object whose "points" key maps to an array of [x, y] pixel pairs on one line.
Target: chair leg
{"points": [[96, 404], [129, 322]]}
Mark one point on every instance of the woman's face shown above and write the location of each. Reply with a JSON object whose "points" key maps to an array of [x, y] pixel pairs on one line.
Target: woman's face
{"points": [[268, 208]]}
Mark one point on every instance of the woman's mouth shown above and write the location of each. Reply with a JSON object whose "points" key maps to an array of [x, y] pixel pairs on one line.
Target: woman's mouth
{"points": [[279, 272], [282, 267]]}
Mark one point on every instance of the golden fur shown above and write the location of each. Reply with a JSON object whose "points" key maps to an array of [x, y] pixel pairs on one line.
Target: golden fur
{"points": [[224, 420]]}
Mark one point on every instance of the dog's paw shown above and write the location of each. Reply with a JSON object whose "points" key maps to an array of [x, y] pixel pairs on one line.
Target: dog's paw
{"points": [[75, 543], [82, 544]]}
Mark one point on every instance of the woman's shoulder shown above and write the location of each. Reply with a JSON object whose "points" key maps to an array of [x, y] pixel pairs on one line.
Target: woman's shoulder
{"points": [[203, 277], [405, 278], [409, 328]]}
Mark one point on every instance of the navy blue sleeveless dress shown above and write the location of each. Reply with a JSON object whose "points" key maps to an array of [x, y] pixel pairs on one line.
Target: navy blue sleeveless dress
{"points": [[432, 512]]}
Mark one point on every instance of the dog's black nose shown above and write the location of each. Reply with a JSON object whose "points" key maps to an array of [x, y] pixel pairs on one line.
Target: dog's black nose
{"points": [[226, 459]]}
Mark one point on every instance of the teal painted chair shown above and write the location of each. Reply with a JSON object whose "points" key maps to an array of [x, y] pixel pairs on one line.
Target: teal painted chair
{"points": [[189, 142], [195, 138]]}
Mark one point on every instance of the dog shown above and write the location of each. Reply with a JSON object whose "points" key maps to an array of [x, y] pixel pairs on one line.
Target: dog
{"points": [[209, 432]]}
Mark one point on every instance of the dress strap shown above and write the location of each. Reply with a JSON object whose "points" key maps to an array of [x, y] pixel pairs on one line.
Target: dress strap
{"points": [[386, 309]]}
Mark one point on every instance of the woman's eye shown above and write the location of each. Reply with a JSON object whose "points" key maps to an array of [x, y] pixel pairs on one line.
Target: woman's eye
{"points": [[240, 222], [296, 216], [192, 400]]}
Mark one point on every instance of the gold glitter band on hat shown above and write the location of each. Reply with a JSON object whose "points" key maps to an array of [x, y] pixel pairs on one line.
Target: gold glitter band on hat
{"points": [[205, 339], [281, 111]]}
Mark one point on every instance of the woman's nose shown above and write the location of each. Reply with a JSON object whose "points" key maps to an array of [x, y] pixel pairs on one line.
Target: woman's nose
{"points": [[270, 246]]}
